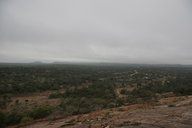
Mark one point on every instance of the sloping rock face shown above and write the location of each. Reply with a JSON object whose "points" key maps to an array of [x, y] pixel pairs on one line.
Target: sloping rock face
{"points": [[170, 117], [177, 115]]}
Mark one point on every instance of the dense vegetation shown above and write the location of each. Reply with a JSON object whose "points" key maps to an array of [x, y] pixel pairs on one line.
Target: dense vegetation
{"points": [[17, 79], [87, 87], [15, 117]]}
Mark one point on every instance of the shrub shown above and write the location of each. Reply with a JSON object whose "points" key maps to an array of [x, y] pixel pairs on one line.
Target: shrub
{"points": [[2, 120], [26, 119], [40, 112], [13, 118], [55, 95], [171, 105], [123, 91]]}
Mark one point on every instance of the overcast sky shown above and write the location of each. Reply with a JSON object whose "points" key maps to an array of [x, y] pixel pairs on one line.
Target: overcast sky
{"points": [[126, 31]]}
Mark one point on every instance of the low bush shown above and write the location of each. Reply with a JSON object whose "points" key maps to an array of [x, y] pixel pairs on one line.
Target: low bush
{"points": [[40, 112], [55, 95]]}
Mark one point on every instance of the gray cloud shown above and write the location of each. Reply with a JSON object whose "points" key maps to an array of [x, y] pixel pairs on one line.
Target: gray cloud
{"points": [[128, 31]]}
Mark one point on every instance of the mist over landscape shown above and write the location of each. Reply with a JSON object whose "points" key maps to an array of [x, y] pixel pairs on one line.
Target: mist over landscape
{"points": [[125, 31], [95, 63]]}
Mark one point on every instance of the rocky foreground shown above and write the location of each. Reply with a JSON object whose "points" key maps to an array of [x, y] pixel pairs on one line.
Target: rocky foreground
{"points": [[173, 112]]}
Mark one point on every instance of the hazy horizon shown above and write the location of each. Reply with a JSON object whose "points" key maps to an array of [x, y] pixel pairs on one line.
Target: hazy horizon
{"points": [[101, 31]]}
